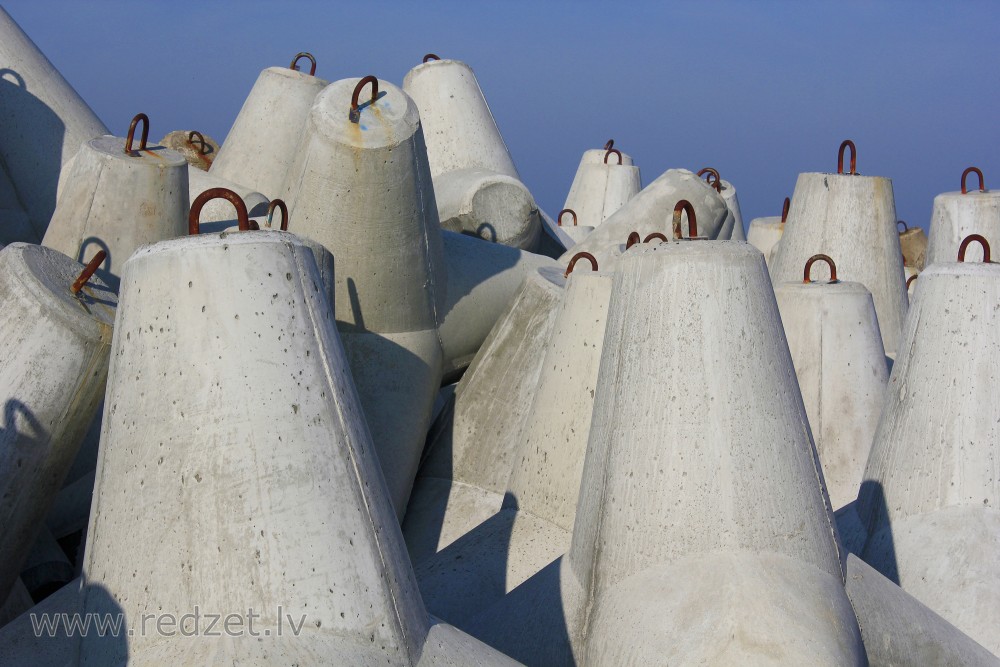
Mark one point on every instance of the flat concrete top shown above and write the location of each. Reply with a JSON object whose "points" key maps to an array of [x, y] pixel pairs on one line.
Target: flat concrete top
{"points": [[972, 269], [388, 121], [190, 243], [443, 62], [48, 274], [696, 249], [844, 175], [971, 195], [160, 156], [767, 222], [824, 288], [298, 75]]}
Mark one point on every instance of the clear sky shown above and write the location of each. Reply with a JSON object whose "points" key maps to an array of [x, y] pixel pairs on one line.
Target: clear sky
{"points": [[759, 90]]}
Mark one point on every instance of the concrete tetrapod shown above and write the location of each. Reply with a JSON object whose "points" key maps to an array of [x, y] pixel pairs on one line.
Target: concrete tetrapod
{"points": [[737, 560], [853, 218], [43, 122], [301, 532], [956, 215], [534, 525], [605, 180], [833, 336], [477, 187], [118, 196], [930, 499], [390, 282], [649, 212], [471, 449], [899, 630], [732, 228], [764, 233], [261, 144], [52, 374]]}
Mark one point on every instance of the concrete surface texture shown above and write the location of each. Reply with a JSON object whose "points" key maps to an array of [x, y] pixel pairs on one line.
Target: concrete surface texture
{"points": [[602, 187], [482, 280], [469, 459], [14, 222], [199, 149], [52, 374], [930, 496], [43, 123], [390, 273], [955, 216], [764, 234], [261, 144], [833, 336], [733, 226], [651, 211], [20, 645], [703, 532], [493, 206], [898, 630], [458, 125], [851, 218], [116, 201]]}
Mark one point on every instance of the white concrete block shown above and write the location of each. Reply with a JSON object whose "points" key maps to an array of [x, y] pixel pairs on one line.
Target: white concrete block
{"points": [[957, 214]]}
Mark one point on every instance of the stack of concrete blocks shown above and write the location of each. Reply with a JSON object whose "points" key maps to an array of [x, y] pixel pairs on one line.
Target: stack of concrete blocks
{"points": [[189, 430], [52, 378], [43, 122], [852, 218], [929, 501], [477, 187], [956, 215], [765, 233]]}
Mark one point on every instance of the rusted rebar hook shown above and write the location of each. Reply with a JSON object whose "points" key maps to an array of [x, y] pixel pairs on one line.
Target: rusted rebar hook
{"points": [[131, 133], [910, 280], [708, 173], [88, 271], [847, 143], [632, 239], [279, 204], [807, 273], [201, 139], [564, 212], [784, 210], [906, 227], [242, 217], [981, 241], [577, 257], [685, 206], [655, 235], [355, 115], [613, 151], [976, 171], [431, 56], [300, 56]]}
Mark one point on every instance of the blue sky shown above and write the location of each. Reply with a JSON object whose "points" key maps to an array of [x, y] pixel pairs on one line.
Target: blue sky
{"points": [[759, 90]]}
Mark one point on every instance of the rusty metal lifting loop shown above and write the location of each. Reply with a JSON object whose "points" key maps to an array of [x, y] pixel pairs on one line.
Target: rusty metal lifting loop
{"points": [[708, 172], [194, 217], [978, 172], [616, 152], [131, 133], [906, 227], [910, 280], [633, 238], [431, 56], [685, 205], [611, 144], [562, 213], [655, 235], [277, 203], [847, 143], [784, 210], [979, 239], [812, 260], [578, 256], [355, 115], [201, 139], [300, 56], [88, 271]]}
